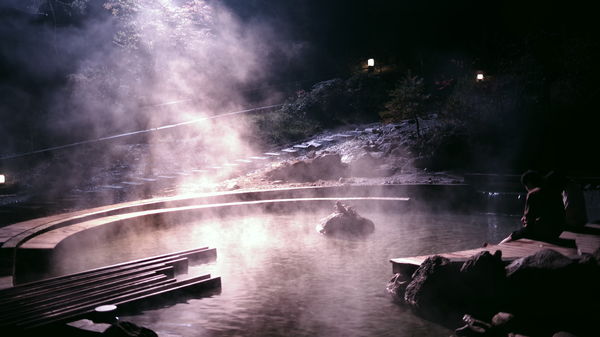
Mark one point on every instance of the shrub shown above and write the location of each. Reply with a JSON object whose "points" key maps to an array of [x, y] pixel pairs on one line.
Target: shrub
{"points": [[327, 104], [282, 127], [407, 100]]}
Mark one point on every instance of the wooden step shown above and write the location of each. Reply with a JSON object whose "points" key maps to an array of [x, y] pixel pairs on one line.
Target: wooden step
{"points": [[70, 314], [195, 255], [78, 299], [65, 298], [43, 295]]}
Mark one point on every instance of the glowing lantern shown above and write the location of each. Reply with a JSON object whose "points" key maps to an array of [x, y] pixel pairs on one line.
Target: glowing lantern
{"points": [[2, 179], [371, 62], [479, 77]]}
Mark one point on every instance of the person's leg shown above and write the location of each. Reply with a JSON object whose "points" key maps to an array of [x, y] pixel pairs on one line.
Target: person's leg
{"points": [[518, 234]]}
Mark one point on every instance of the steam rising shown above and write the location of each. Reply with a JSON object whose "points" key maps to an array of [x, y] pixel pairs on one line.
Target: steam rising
{"points": [[135, 65]]}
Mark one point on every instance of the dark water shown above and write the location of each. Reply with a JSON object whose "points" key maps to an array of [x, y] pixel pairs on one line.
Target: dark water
{"points": [[281, 278]]}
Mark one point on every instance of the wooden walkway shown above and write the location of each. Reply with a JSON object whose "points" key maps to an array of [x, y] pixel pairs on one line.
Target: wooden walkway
{"points": [[510, 251], [71, 297]]}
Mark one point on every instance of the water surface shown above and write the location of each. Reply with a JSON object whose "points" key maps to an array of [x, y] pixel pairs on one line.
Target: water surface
{"points": [[281, 278]]}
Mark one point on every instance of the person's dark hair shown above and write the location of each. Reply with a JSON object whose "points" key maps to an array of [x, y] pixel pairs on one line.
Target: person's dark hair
{"points": [[531, 178]]}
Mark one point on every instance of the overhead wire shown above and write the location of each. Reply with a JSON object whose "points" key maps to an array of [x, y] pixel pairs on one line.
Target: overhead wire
{"points": [[139, 132]]}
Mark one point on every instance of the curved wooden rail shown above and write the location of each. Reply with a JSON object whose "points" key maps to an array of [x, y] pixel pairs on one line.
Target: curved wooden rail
{"points": [[31, 241]]}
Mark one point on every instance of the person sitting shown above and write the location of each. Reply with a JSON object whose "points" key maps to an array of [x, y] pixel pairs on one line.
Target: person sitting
{"points": [[572, 198], [544, 215]]}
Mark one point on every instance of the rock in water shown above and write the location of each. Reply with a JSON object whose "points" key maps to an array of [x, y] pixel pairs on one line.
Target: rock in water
{"points": [[345, 221], [397, 287], [431, 283]]}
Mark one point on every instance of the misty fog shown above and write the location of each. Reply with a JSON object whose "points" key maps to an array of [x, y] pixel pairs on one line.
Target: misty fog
{"points": [[92, 69]]}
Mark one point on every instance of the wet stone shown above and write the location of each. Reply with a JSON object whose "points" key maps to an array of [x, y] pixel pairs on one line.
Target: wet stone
{"points": [[345, 221]]}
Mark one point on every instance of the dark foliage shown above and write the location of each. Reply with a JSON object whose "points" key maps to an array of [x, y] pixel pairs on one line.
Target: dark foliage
{"points": [[327, 104], [407, 100]]}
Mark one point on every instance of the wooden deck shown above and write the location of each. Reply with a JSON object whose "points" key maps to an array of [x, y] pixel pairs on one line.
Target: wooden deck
{"points": [[588, 241], [510, 251]]}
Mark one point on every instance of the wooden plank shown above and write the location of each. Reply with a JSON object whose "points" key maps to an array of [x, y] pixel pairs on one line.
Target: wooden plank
{"points": [[195, 255], [67, 286], [5, 282], [586, 243], [192, 284], [568, 235], [61, 298], [511, 250], [70, 314], [34, 310], [40, 297], [92, 274], [75, 306]]}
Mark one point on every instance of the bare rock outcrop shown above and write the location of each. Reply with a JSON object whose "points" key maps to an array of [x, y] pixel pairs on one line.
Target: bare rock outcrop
{"points": [[328, 166]]}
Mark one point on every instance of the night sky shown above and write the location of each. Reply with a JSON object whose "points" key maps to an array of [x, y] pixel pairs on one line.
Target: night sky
{"points": [[477, 29]]}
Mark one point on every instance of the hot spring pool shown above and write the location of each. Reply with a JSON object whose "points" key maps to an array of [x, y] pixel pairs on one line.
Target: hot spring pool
{"points": [[281, 278]]}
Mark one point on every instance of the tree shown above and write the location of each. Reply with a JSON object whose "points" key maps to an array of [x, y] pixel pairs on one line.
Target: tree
{"points": [[407, 100]]}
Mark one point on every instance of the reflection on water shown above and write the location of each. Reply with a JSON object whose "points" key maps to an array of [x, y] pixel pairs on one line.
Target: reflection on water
{"points": [[281, 278]]}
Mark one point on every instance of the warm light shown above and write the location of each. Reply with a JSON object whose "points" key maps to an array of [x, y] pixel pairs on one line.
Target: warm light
{"points": [[2, 179], [479, 77], [106, 308], [371, 62]]}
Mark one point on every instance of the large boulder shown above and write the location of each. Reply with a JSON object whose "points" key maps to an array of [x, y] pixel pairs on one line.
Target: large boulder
{"points": [[538, 280], [550, 287], [345, 221], [475, 287], [484, 281], [545, 260], [434, 290]]}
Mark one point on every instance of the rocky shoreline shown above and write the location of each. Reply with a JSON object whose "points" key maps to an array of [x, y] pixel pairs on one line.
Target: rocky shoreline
{"points": [[372, 154], [544, 294]]}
